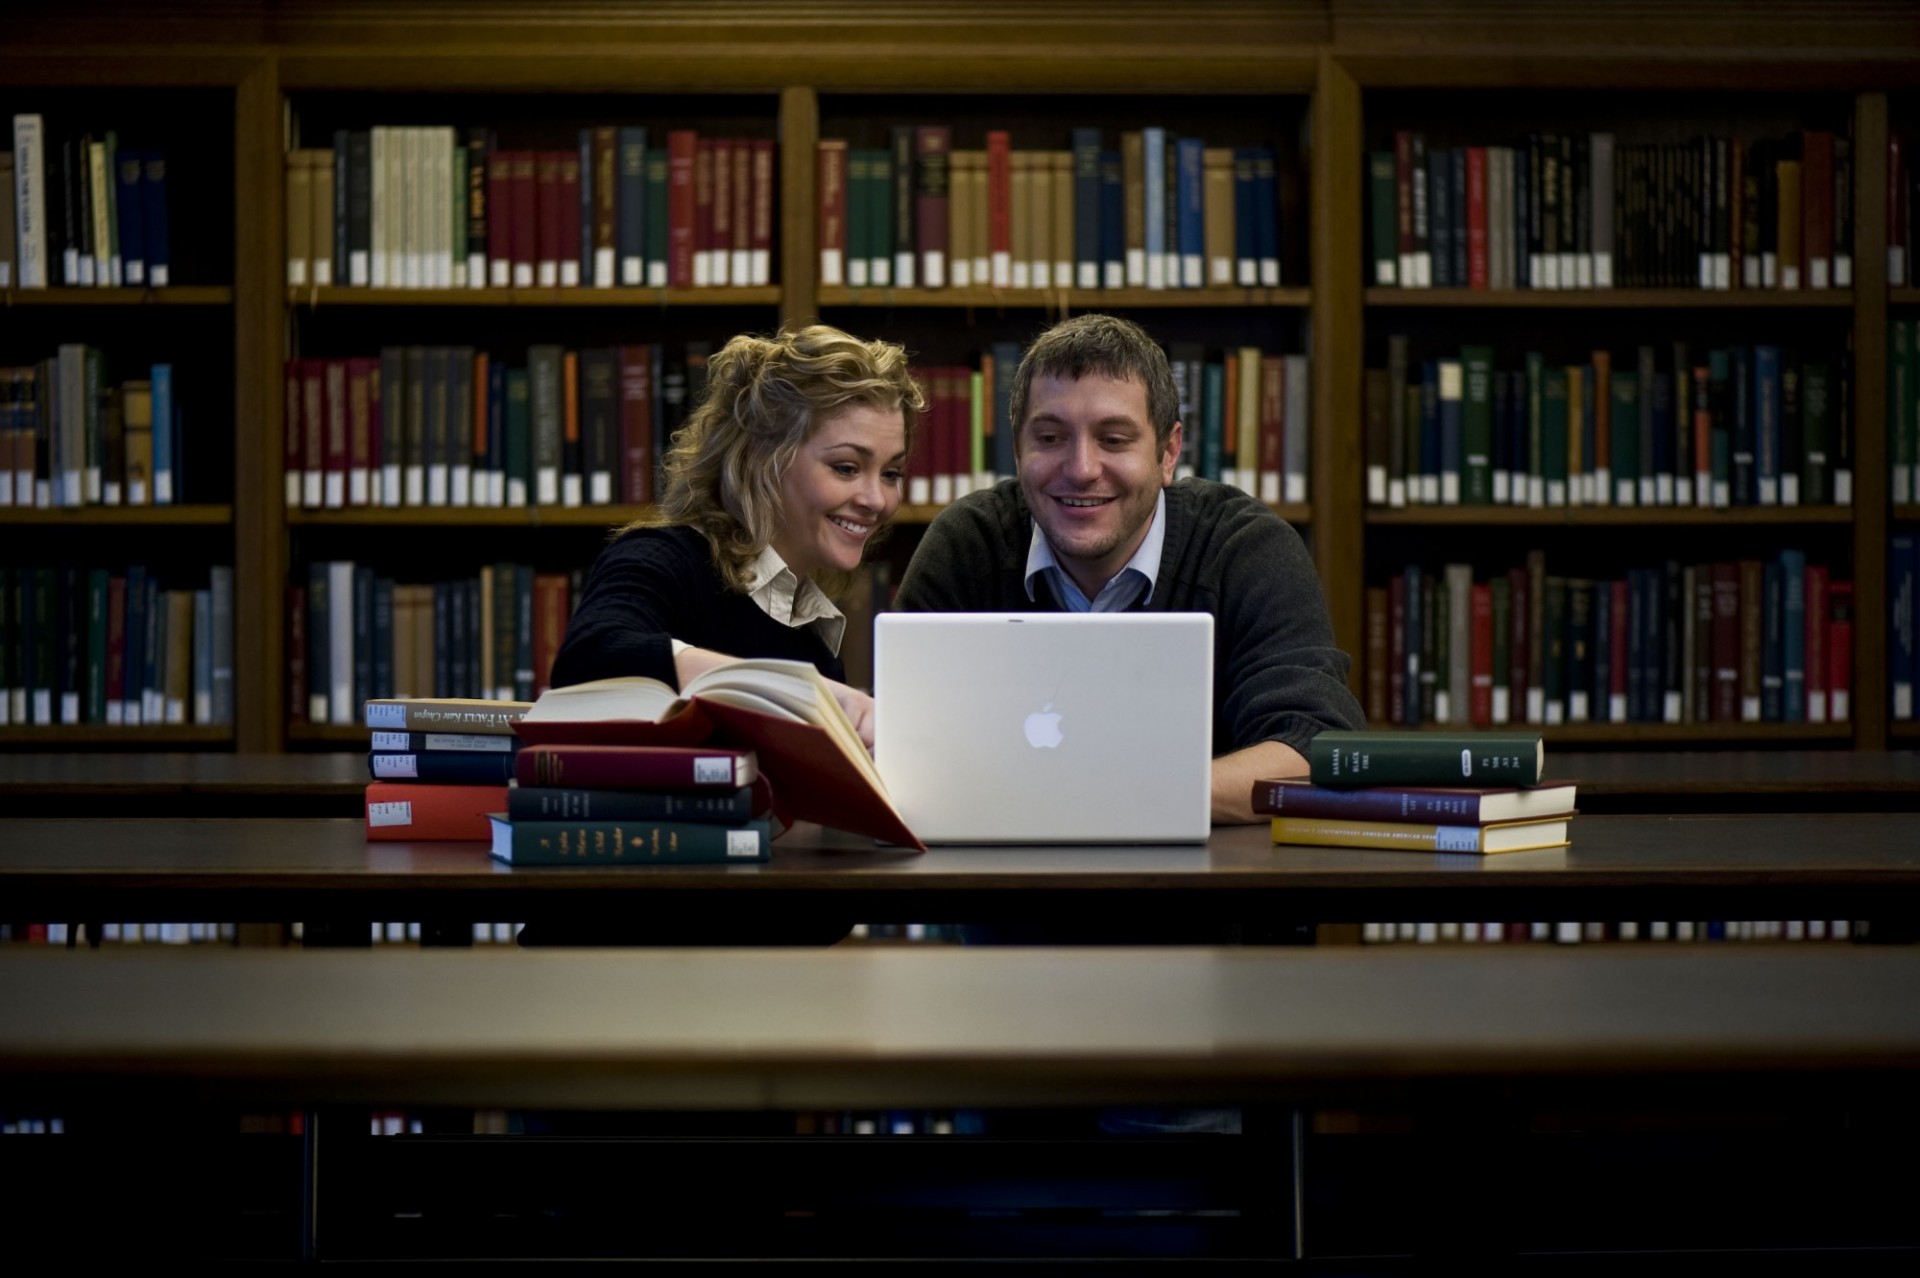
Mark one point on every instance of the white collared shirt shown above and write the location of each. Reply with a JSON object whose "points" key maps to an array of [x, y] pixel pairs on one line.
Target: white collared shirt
{"points": [[1133, 582], [790, 601]]}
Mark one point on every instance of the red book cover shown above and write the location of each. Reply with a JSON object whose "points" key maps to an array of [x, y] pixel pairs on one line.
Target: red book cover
{"points": [[1397, 649], [741, 272], [549, 625], [761, 239], [635, 767], [548, 221], [636, 424], [336, 444], [481, 373], [1477, 217], [401, 810], [1602, 364], [960, 422], [500, 218], [524, 233], [116, 677], [1480, 706], [363, 377], [682, 146], [1273, 422], [1703, 430], [296, 654], [1377, 655], [1000, 193], [605, 207], [313, 419], [376, 434], [703, 156], [1726, 642], [1816, 642], [1816, 207], [1839, 649], [567, 169], [717, 155], [830, 162], [933, 145]]}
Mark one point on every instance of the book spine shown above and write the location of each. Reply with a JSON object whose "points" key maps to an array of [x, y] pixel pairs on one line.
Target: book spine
{"points": [[430, 716], [442, 767], [1373, 803], [405, 810], [600, 843], [1341, 760], [541, 803], [624, 769], [1339, 833]]}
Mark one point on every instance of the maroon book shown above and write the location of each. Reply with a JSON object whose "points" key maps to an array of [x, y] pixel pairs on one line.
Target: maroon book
{"points": [[682, 147], [635, 767]]}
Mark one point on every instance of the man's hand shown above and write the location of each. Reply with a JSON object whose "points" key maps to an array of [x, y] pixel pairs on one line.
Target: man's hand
{"points": [[1234, 775], [859, 708]]}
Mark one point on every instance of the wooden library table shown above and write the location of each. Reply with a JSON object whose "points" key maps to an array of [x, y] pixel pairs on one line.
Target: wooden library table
{"points": [[753, 1030], [1848, 866]]}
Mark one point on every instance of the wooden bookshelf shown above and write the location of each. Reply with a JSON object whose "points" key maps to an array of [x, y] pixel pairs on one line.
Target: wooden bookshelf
{"points": [[68, 735], [1038, 67]]}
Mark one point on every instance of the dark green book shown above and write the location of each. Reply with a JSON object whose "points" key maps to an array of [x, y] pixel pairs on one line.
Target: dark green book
{"points": [[1344, 760], [638, 843]]}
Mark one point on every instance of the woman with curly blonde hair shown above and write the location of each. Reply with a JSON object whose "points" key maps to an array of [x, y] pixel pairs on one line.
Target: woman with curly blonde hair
{"points": [[778, 483]]}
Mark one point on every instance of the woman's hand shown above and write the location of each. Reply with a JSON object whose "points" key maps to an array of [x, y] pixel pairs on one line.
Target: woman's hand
{"points": [[859, 708]]}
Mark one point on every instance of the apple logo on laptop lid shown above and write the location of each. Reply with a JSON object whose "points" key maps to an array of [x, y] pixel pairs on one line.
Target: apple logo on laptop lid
{"points": [[1043, 728]]}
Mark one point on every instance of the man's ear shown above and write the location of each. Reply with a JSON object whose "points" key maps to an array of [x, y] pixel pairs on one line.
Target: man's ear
{"points": [[1170, 456]]}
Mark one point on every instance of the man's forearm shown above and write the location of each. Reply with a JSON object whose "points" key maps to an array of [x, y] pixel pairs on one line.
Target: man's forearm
{"points": [[1234, 775]]}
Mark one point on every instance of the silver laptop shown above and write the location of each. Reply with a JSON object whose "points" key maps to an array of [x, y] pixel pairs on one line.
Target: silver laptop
{"points": [[1046, 727]]}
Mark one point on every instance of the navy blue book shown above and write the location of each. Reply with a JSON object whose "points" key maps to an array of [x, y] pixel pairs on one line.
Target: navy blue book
{"points": [[133, 216], [154, 189], [630, 235], [1086, 208], [442, 767], [1113, 252]]}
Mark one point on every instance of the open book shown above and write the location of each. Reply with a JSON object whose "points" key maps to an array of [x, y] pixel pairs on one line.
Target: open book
{"points": [[783, 710]]}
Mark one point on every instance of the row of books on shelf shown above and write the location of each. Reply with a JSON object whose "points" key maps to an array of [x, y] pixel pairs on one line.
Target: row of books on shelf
{"points": [[1681, 931], [1159, 212], [354, 636], [1583, 210], [452, 426], [1733, 426], [1747, 641], [440, 207], [103, 646], [70, 438], [82, 211]]}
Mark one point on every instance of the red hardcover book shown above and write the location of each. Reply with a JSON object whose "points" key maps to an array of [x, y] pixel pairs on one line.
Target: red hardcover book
{"points": [[740, 271], [1397, 649], [830, 163], [1601, 362], [1816, 642], [482, 371], [1273, 426], [524, 224], [1477, 217], [567, 178], [1480, 666], [500, 218], [1726, 642], [363, 380], [999, 203], [682, 147], [1703, 433], [313, 432], [548, 221], [296, 654], [933, 147], [1840, 649], [1816, 207], [717, 155], [703, 157], [636, 424], [116, 675], [336, 443], [760, 241], [400, 810], [632, 767], [571, 459], [549, 625], [1736, 217]]}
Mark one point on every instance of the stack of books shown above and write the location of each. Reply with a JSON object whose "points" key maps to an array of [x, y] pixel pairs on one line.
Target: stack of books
{"points": [[440, 766], [591, 804], [1479, 792], [628, 771]]}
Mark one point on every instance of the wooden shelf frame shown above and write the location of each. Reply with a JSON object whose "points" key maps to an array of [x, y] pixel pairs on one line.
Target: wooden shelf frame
{"points": [[1331, 52]]}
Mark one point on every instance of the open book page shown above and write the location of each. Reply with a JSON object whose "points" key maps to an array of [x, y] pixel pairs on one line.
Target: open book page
{"points": [[797, 688], [628, 697]]}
